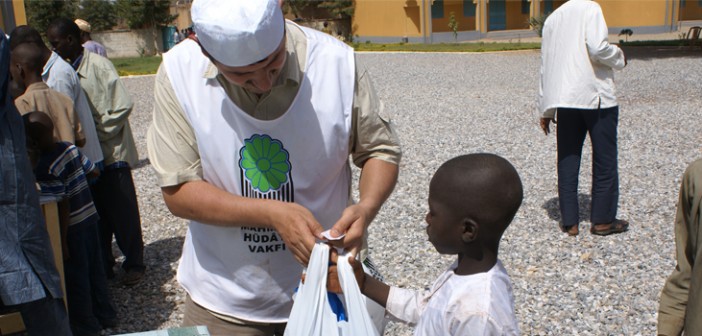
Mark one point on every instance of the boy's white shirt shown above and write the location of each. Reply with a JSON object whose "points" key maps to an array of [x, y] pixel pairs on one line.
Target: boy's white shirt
{"points": [[478, 304]]}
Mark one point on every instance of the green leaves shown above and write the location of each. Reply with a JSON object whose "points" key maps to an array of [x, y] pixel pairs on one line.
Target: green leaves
{"points": [[145, 13], [101, 14]]}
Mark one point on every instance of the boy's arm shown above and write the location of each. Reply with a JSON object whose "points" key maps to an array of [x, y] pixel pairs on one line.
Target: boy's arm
{"points": [[370, 287], [374, 289], [403, 304]]}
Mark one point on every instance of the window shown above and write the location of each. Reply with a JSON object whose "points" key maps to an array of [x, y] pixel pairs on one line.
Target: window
{"points": [[469, 8], [437, 9], [525, 6], [548, 7]]}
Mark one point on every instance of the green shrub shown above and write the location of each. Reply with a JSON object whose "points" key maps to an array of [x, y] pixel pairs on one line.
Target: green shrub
{"points": [[537, 23]]}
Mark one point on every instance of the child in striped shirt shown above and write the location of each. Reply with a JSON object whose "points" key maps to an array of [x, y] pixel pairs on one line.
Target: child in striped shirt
{"points": [[61, 171]]}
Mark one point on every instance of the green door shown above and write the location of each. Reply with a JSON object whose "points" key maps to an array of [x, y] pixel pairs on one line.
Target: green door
{"points": [[497, 15]]}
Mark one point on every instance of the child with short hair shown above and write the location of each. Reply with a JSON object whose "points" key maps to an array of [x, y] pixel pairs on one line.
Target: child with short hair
{"points": [[472, 200], [26, 65], [60, 170]]}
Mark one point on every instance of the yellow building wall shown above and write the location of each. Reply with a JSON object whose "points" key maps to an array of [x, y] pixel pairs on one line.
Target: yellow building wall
{"points": [[455, 6], [556, 4], [515, 18], [691, 11], [634, 13], [403, 18], [387, 18], [20, 14]]}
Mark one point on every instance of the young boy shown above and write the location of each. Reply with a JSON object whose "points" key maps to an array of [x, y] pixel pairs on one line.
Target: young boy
{"points": [[26, 65], [60, 170], [472, 200]]}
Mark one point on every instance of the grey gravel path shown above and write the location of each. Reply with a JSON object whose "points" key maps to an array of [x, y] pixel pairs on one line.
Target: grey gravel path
{"points": [[445, 105]]}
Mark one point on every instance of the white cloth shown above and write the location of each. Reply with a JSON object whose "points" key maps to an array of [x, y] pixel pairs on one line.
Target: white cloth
{"points": [[577, 61], [238, 32], [247, 273], [60, 76], [478, 304]]}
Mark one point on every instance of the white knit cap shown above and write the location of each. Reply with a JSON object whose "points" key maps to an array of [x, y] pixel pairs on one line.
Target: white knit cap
{"points": [[238, 32], [83, 25]]}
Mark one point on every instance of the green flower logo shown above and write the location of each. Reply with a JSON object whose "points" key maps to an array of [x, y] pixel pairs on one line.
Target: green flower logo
{"points": [[265, 162]]}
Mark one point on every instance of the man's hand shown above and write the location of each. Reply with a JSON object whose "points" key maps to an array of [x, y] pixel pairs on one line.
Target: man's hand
{"points": [[353, 223], [546, 124], [298, 228], [203, 202]]}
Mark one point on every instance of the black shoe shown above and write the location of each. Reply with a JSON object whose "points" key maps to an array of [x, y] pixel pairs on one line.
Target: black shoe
{"points": [[132, 277], [109, 323]]}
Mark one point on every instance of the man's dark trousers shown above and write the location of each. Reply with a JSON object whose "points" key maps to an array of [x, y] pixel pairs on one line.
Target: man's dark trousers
{"points": [[573, 125], [116, 202]]}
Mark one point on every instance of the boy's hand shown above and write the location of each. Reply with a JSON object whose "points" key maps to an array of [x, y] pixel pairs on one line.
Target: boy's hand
{"points": [[333, 283]]}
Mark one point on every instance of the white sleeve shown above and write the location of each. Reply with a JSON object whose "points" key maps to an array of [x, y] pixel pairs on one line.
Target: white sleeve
{"points": [[597, 41], [406, 305]]}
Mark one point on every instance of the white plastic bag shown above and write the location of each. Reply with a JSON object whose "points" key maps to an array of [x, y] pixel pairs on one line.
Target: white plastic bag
{"points": [[312, 314]]}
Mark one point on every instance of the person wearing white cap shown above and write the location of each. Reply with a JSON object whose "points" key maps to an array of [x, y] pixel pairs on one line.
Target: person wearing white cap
{"points": [[87, 41], [254, 122]]}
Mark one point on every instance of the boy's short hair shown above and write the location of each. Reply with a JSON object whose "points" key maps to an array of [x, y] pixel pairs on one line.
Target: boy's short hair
{"points": [[483, 186], [37, 123], [25, 34], [30, 56]]}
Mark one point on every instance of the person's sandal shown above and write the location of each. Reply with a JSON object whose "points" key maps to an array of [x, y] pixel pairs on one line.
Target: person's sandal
{"points": [[618, 226], [572, 230]]}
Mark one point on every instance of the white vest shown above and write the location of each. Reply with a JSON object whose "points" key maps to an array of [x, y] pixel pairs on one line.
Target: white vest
{"points": [[300, 157]]}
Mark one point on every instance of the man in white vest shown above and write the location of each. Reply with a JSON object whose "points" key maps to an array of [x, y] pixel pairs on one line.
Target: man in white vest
{"points": [[254, 122]]}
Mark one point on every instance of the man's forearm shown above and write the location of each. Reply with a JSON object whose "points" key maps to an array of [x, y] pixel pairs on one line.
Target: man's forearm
{"points": [[378, 179], [205, 203]]}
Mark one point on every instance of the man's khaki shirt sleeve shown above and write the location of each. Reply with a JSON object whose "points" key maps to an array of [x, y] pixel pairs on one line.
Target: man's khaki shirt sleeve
{"points": [[372, 134], [681, 303], [171, 140]]}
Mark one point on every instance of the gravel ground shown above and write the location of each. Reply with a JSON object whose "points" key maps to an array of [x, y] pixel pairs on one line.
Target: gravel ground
{"points": [[444, 105]]}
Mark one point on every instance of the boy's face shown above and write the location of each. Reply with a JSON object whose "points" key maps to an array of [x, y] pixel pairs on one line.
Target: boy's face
{"points": [[16, 83], [445, 229]]}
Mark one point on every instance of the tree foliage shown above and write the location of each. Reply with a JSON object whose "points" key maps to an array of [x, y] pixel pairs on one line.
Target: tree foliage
{"points": [[145, 13], [338, 9], [296, 7], [40, 13], [453, 25], [100, 13]]}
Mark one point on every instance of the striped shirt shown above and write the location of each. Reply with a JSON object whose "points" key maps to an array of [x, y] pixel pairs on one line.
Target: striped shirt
{"points": [[62, 173]]}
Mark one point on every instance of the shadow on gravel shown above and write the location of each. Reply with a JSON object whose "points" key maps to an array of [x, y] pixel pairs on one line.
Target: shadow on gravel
{"points": [[142, 163], [149, 304], [554, 212], [654, 52]]}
